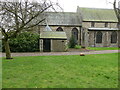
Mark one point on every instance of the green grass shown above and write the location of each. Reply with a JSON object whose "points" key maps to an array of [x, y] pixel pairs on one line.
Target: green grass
{"points": [[102, 48], [77, 47], [74, 71]]}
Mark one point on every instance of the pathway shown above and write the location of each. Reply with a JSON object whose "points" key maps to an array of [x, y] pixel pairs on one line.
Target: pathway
{"points": [[60, 53]]}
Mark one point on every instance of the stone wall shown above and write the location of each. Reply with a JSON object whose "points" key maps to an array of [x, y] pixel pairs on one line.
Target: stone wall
{"points": [[59, 45], [99, 25], [41, 45], [106, 39], [67, 29], [84, 37], [90, 36], [56, 45], [91, 39]]}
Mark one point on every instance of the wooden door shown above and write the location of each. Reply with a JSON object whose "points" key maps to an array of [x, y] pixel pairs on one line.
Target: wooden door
{"points": [[46, 45]]}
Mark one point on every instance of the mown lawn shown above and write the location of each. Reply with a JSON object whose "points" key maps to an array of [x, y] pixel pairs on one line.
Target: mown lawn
{"points": [[74, 71], [103, 48]]}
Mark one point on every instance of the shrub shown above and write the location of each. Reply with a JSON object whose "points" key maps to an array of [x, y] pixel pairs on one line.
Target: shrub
{"points": [[25, 42], [72, 42], [77, 47], [66, 48]]}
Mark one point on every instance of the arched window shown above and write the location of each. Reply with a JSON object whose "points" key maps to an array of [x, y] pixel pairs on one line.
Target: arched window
{"points": [[75, 33], [114, 37], [59, 29], [99, 37]]}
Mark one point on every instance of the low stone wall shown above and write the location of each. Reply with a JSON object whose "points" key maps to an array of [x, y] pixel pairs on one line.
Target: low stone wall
{"points": [[59, 45], [106, 39]]}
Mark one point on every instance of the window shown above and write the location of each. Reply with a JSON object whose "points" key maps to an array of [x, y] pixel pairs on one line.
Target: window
{"points": [[75, 33], [99, 37], [59, 29], [106, 24], [114, 37], [92, 24]]}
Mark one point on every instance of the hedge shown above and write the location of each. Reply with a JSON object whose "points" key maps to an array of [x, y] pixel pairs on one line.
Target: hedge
{"points": [[24, 42]]}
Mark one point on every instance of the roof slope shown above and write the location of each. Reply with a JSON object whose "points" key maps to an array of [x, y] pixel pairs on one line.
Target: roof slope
{"points": [[47, 28], [97, 14], [62, 18]]}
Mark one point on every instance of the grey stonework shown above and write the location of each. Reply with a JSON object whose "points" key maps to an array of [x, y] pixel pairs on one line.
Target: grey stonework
{"points": [[90, 36], [106, 39], [104, 20], [41, 45], [66, 29], [56, 45], [59, 45]]}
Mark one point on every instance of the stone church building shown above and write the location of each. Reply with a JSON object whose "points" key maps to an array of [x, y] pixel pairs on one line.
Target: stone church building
{"points": [[93, 27]]}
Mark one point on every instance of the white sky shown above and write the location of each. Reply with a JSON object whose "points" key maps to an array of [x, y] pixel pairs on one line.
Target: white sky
{"points": [[71, 5]]}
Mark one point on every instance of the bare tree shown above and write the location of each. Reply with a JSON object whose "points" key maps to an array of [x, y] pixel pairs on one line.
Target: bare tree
{"points": [[117, 12], [16, 17]]}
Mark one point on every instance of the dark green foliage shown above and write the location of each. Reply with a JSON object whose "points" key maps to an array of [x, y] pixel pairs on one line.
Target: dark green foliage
{"points": [[24, 42], [72, 42], [77, 47]]}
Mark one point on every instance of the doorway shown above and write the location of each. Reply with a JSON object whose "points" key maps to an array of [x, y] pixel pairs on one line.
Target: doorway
{"points": [[46, 45], [75, 34]]}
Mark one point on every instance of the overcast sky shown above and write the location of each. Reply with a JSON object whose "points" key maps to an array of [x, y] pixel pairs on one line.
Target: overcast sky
{"points": [[71, 5]]}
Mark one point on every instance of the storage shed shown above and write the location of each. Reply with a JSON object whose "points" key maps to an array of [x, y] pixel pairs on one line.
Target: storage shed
{"points": [[53, 41]]}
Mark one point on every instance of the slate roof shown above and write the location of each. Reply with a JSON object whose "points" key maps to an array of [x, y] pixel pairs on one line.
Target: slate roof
{"points": [[62, 18], [97, 14], [47, 28], [53, 35]]}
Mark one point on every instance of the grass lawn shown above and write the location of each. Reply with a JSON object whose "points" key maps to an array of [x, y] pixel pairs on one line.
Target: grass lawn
{"points": [[74, 71], [102, 48]]}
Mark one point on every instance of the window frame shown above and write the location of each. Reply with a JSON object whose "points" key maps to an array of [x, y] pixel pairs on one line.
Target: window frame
{"points": [[92, 24], [106, 24], [114, 37], [59, 29], [99, 37], [75, 33]]}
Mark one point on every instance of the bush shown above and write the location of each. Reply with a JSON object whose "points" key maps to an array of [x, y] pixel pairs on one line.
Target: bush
{"points": [[66, 48], [77, 47], [25, 42], [72, 42]]}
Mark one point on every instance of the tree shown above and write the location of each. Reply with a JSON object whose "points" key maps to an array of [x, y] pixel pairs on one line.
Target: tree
{"points": [[117, 12], [16, 17], [24, 42], [72, 42]]}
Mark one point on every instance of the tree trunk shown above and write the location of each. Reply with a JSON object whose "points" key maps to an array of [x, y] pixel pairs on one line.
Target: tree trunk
{"points": [[119, 34], [117, 12], [7, 49]]}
